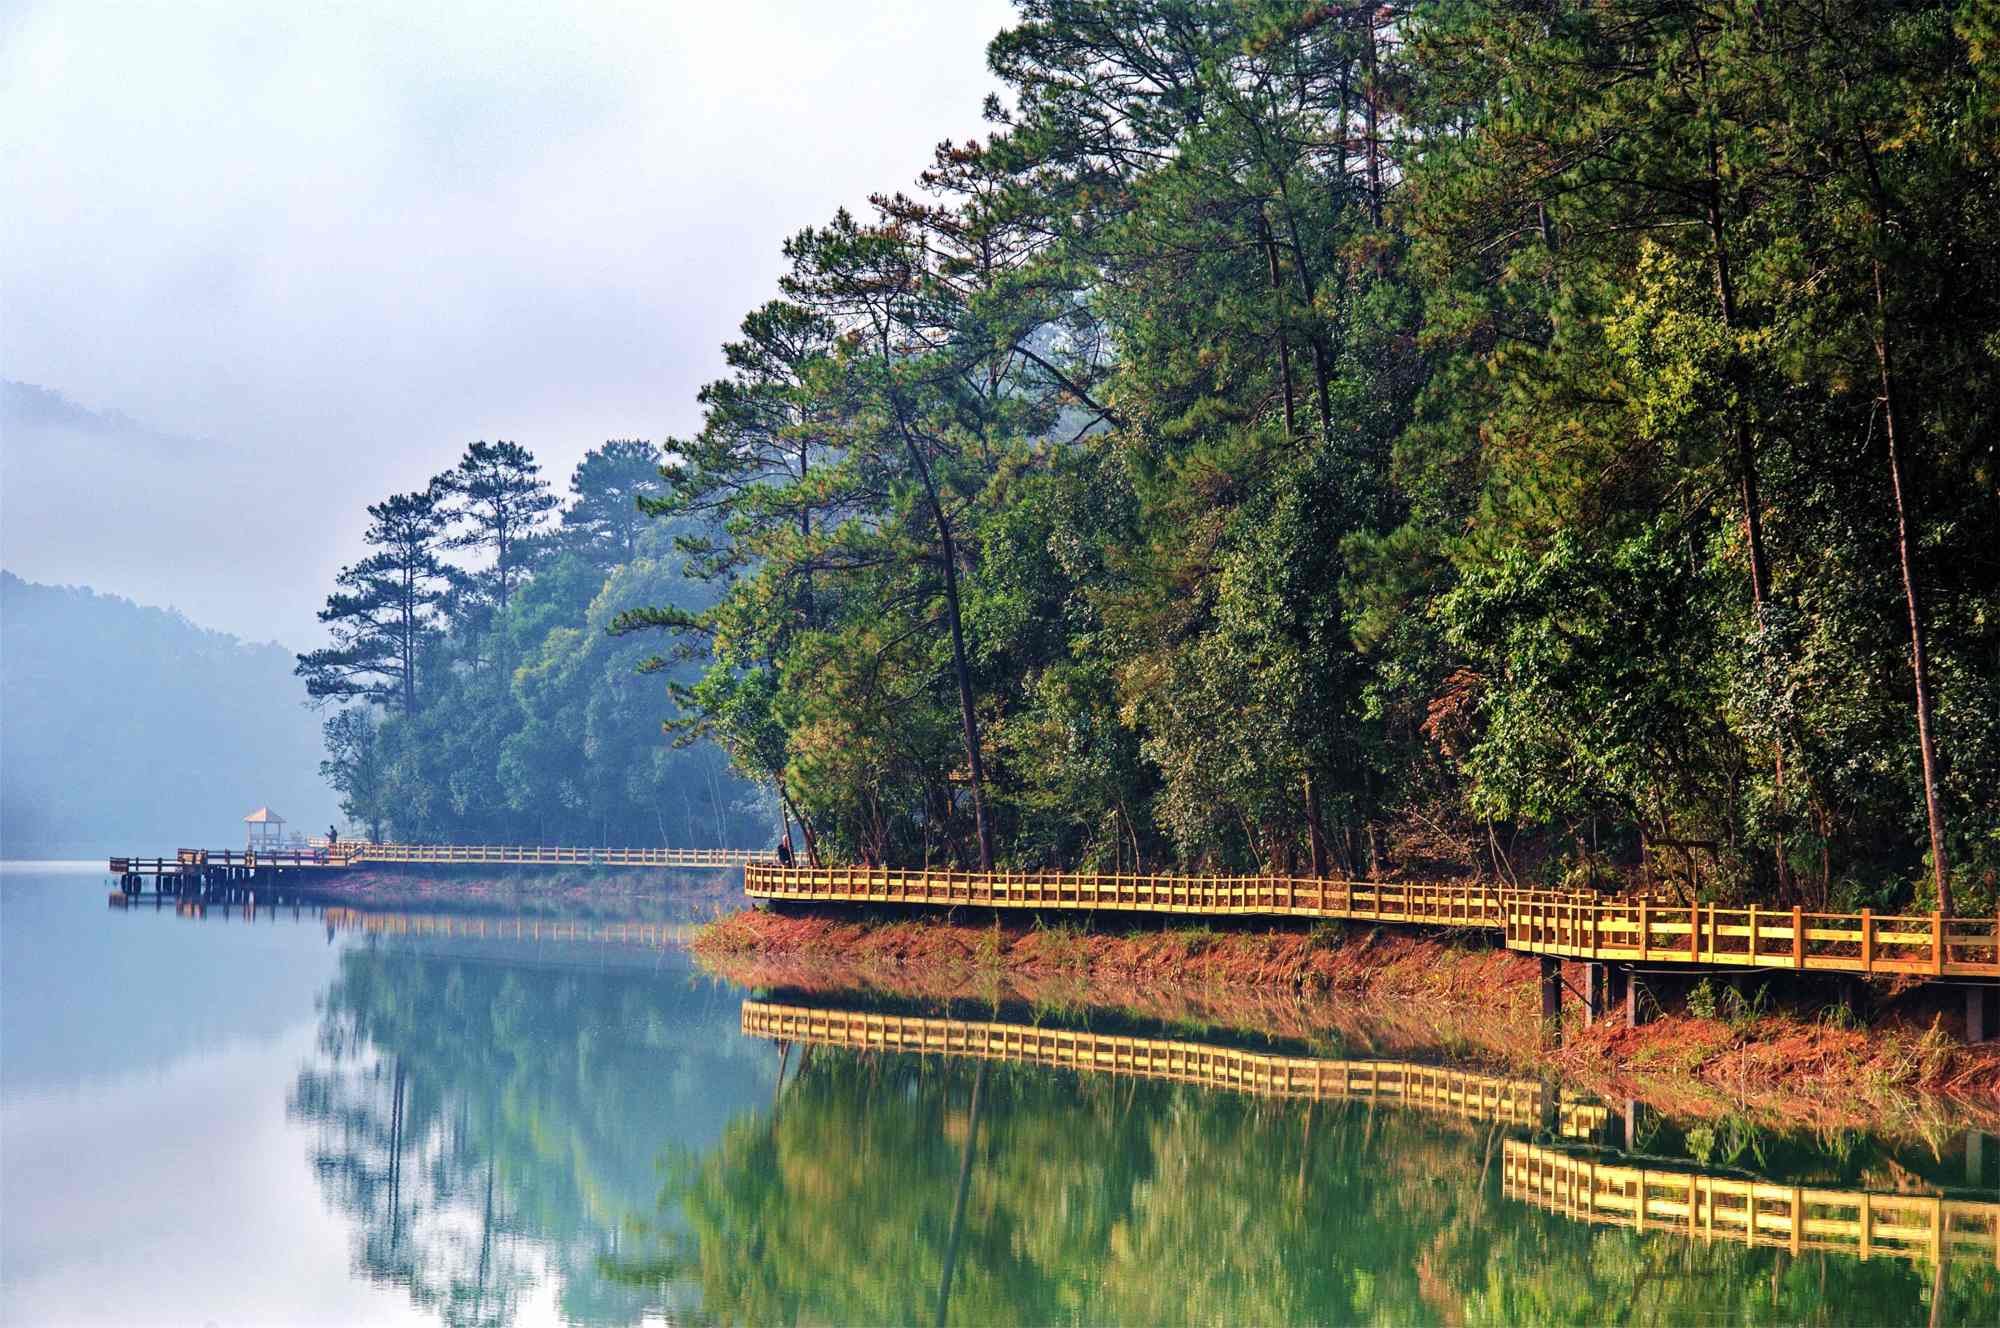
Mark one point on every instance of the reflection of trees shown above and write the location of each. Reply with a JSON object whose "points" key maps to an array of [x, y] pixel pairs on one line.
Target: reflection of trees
{"points": [[487, 1126], [1100, 1200]]}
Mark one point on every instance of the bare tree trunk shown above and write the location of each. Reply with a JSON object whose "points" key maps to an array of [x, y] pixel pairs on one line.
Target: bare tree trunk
{"points": [[805, 826], [968, 720], [1892, 412], [1374, 146], [1315, 828], [1284, 344], [1746, 463]]}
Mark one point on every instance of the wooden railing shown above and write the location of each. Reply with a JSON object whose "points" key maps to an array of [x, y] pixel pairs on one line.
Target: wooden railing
{"points": [[1563, 924], [1462, 905], [1484, 1098], [1866, 942], [247, 859], [1751, 1212], [348, 853], [511, 928], [529, 855]]}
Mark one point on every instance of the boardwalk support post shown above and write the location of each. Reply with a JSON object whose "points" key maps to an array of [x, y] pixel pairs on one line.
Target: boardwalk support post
{"points": [[1634, 991], [1552, 997], [1594, 983], [1978, 1028]]}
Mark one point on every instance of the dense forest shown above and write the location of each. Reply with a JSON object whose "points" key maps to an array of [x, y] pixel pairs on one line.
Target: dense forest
{"points": [[129, 729], [474, 692], [1552, 441]]}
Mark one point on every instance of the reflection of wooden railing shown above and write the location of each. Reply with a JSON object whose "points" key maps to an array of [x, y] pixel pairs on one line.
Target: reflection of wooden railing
{"points": [[1539, 922], [510, 928], [1752, 1212], [1451, 1092]]}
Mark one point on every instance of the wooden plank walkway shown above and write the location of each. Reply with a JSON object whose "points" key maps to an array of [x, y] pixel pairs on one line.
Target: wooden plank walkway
{"points": [[1476, 1097], [340, 857], [1797, 1218], [514, 855], [1537, 922]]}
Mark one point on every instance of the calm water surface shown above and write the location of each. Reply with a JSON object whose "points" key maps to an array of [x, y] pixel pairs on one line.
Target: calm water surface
{"points": [[272, 1120]]}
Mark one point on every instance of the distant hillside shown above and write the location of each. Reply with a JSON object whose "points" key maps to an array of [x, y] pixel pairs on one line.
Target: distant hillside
{"points": [[128, 729]]}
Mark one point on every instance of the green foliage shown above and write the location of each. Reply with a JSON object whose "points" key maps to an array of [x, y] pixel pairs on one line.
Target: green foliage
{"points": [[532, 721], [1445, 437]]}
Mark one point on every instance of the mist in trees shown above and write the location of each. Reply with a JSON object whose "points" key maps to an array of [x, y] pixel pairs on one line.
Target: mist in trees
{"points": [[481, 697], [1421, 437], [124, 728]]}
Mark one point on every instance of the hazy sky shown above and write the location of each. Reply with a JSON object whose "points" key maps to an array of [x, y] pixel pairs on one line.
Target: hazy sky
{"points": [[312, 250]]}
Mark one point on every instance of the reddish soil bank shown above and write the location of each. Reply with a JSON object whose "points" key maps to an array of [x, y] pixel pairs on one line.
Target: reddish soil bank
{"points": [[1783, 1056]]}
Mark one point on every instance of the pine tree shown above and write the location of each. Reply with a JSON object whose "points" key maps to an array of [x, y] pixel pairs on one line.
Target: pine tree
{"points": [[385, 609]]}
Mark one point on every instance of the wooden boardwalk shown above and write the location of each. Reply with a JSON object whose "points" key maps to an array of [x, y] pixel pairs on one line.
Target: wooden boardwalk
{"points": [[192, 869], [1552, 924], [1797, 1218], [1474, 1097]]}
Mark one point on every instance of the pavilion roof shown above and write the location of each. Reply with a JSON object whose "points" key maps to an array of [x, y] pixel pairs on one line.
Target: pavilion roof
{"points": [[263, 816]]}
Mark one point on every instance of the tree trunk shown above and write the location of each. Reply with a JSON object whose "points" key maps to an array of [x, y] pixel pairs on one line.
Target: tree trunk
{"points": [[1309, 289], [1892, 412], [1374, 147], [1315, 828], [805, 826], [1284, 344], [968, 720], [1746, 464]]}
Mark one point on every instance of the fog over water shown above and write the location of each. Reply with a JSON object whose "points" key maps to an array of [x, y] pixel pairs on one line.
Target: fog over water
{"points": [[278, 262]]}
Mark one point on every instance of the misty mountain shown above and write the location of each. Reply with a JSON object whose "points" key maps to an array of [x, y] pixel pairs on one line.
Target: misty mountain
{"points": [[126, 729], [31, 410], [92, 495]]}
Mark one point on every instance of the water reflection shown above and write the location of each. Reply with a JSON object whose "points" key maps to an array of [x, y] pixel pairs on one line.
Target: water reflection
{"points": [[517, 1118], [487, 1121], [1105, 1193]]}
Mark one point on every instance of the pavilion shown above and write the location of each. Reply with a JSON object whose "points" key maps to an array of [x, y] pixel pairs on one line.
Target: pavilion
{"points": [[266, 831]]}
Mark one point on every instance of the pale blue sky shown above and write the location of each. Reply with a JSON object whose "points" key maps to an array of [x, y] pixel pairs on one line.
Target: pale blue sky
{"points": [[316, 248]]}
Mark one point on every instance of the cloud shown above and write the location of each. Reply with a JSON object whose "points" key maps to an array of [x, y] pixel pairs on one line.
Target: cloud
{"points": [[348, 238]]}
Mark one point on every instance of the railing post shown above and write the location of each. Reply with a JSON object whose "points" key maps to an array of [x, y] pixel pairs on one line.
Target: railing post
{"points": [[1753, 936], [1645, 932], [1867, 940], [1798, 937], [1937, 943]]}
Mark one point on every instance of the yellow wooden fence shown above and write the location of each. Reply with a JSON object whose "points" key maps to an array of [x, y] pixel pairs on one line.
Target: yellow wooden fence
{"points": [[1556, 923]]}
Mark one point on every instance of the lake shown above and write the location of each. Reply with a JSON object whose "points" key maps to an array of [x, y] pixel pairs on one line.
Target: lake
{"points": [[523, 1116]]}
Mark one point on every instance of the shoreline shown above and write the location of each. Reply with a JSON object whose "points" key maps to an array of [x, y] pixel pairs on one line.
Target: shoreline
{"points": [[1781, 1056]]}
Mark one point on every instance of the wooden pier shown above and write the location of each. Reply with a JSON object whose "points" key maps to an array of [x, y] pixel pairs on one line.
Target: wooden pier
{"points": [[203, 871]]}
